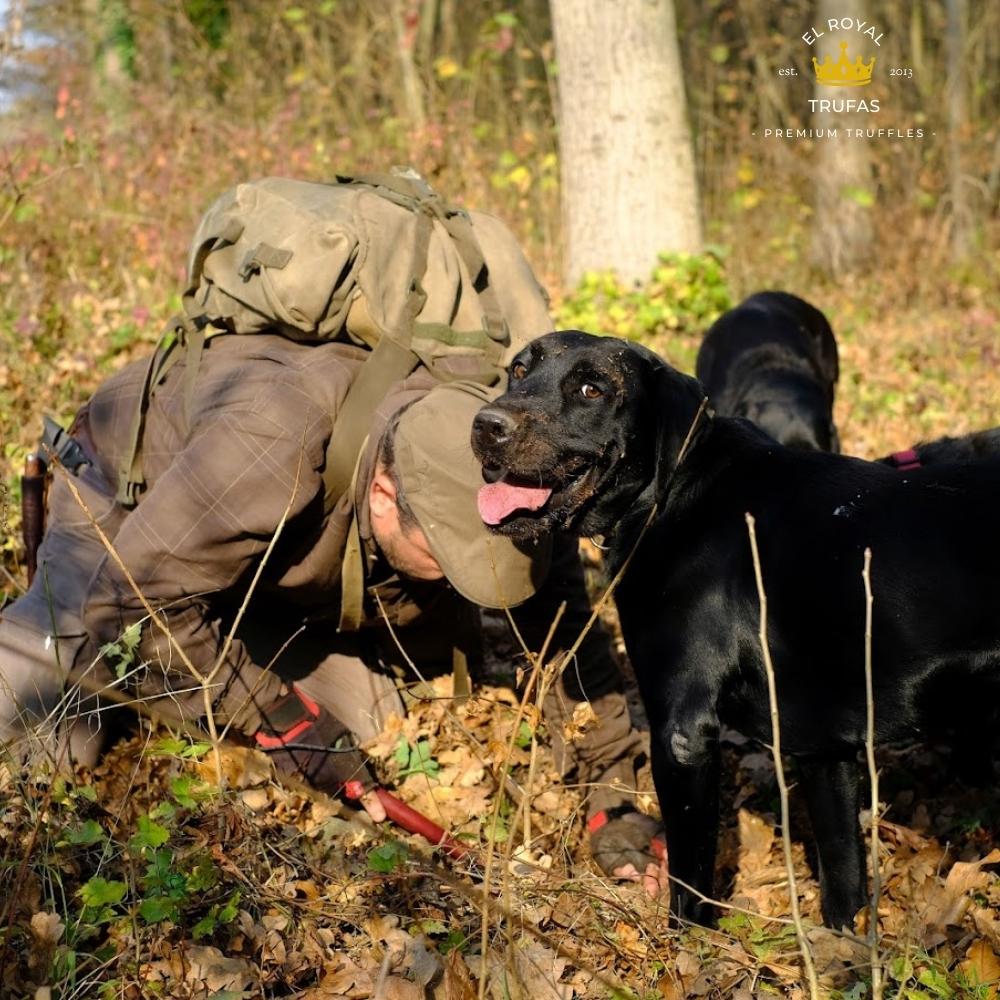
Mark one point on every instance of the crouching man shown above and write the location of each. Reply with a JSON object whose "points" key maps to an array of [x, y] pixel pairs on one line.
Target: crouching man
{"points": [[234, 495]]}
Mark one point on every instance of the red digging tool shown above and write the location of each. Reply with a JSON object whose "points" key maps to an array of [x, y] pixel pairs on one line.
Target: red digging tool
{"points": [[410, 820], [413, 822]]}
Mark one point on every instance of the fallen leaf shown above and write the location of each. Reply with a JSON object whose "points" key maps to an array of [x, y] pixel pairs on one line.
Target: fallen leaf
{"points": [[981, 966], [669, 987], [580, 723], [964, 877], [397, 988], [47, 928], [348, 980], [539, 970], [458, 983], [242, 767], [756, 840]]}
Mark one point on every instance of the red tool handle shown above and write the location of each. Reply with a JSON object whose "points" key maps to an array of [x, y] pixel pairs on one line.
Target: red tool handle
{"points": [[413, 822]]}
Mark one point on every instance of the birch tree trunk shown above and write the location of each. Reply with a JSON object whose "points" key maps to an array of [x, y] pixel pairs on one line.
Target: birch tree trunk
{"points": [[843, 185], [961, 220], [629, 188]]}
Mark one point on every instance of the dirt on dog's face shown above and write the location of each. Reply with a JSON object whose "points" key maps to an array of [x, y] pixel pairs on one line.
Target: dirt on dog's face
{"points": [[567, 447]]}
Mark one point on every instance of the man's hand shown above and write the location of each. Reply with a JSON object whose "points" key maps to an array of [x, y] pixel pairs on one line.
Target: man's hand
{"points": [[372, 805], [309, 743], [655, 879], [629, 845]]}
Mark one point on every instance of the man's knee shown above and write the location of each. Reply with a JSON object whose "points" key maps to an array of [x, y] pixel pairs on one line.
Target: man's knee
{"points": [[34, 696]]}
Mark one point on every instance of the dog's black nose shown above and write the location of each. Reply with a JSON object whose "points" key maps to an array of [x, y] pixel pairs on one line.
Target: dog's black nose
{"points": [[492, 427]]}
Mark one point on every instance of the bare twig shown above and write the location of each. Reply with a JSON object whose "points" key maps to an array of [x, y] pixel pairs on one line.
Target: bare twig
{"points": [[537, 667], [873, 777], [12, 579], [786, 838]]}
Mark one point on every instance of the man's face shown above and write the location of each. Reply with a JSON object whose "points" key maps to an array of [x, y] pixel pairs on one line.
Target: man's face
{"points": [[405, 549]]}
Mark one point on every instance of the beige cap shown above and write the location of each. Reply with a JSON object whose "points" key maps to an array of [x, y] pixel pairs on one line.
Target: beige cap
{"points": [[440, 478]]}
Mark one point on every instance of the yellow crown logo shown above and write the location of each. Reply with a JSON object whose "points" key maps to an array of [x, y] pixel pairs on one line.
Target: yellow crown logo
{"points": [[844, 73]]}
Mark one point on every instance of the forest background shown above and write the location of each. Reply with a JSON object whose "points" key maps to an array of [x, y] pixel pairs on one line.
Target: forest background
{"points": [[120, 121]]}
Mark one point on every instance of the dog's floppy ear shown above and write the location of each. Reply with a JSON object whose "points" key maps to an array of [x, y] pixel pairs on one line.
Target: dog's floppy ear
{"points": [[680, 403]]}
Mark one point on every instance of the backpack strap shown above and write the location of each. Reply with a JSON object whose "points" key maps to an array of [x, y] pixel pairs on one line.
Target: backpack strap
{"points": [[130, 477], [410, 190], [391, 360], [179, 331], [387, 364], [352, 569], [459, 229]]}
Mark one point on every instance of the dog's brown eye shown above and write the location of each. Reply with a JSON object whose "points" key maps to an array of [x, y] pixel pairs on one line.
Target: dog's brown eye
{"points": [[590, 391], [518, 370]]}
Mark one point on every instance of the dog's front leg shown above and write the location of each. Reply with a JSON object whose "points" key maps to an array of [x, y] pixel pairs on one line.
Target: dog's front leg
{"points": [[685, 761], [833, 793]]}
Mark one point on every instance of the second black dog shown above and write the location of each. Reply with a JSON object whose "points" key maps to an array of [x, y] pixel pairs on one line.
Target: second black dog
{"points": [[773, 360], [599, 436]]}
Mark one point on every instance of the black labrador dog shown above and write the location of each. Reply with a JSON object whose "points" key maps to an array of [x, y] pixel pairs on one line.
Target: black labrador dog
{"points": [[773, 360], [598, 436]]}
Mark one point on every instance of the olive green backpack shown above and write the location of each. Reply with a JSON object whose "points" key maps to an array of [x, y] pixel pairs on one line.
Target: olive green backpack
{"points": [[379, 261]]}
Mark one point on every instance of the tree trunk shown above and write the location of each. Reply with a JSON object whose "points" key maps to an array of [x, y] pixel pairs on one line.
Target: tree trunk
{"points": [[405, 28], [844, 186], [961, 220], [629, 188]]}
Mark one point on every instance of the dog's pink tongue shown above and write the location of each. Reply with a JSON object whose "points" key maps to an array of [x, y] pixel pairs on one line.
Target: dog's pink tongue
{"points": [[500, 500]]}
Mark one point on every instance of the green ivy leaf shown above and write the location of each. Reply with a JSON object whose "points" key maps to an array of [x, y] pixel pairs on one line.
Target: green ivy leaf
{"points": [[131, 636], [165, 810], [204, 875], [157, 908], [100, 892], [162, 878], [524, 736], [188, 791], [901, 969], [205, 926], [231, 910], [860, 196], [454, 939], [387, 858], [89, 833], [87, 792], [149, 835], [416, 759]]}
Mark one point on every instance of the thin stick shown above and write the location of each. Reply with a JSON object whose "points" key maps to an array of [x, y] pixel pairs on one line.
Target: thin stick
{"points": [[786, 838], [227, 645], [873, 778], [536, 669]]}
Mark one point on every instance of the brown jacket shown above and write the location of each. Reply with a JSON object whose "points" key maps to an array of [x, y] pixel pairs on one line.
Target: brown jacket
{"points": [[219, 482]]}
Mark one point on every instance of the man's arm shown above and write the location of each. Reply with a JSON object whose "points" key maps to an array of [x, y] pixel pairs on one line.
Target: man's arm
{"points": [[198, 532]]}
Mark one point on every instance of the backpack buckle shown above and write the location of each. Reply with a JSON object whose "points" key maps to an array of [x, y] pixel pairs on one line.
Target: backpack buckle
{"points": [[263, 255]]}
